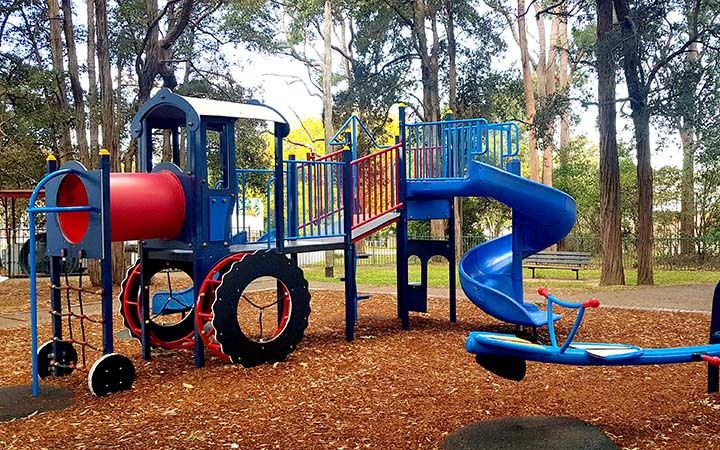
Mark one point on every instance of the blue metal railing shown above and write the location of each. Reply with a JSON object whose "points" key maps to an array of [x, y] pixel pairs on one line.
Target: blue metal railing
{"points": [[315, 199], [442, 150], [313, 193], [351, 125], [501, 141]]}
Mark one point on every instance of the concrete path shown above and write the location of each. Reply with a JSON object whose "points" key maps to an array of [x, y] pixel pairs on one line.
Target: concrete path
{"points": [[695, 297], [689, 298]]}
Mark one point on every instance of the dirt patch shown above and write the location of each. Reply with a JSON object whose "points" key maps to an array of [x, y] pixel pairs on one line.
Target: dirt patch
{"points": [[390, 389]]}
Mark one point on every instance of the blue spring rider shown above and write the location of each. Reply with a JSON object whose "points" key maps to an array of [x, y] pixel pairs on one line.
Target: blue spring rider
{"points": [[506, 354]]}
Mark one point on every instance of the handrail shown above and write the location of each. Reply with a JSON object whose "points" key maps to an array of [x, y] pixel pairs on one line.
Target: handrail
{"points": [[341, 130], [443, 149], [384, 150], [329, 155], [375, 177], [446, 122]]}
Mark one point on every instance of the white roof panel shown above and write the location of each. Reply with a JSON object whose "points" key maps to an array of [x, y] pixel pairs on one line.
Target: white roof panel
{"points": [[207, 107]]}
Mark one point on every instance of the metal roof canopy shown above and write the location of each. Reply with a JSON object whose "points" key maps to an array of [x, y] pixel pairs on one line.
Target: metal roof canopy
{"points": [[167, 109]]}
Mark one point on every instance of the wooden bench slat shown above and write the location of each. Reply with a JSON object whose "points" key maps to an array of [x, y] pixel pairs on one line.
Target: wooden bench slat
{"points": [[558, 260]]}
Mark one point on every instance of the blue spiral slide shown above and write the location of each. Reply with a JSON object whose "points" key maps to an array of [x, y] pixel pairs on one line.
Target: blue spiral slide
{"points": [[491, 273]]}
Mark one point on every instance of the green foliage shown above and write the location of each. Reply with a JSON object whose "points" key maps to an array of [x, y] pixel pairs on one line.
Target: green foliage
{"points": [[29, 125], [482, 92], [579, 177]]}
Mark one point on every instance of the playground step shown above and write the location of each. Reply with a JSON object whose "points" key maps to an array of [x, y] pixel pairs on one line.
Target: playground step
{"points": [[362, 297], [362, 256]]}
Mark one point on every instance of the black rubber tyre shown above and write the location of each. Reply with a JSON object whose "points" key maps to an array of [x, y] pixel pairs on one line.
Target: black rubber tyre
{"points": [[111, 373], [228, 333], [47, 360], [71, 265], [160, 334]]}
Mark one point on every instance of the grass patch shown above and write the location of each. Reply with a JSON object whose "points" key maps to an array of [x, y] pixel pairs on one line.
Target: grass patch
{"points": [[438, 277]]}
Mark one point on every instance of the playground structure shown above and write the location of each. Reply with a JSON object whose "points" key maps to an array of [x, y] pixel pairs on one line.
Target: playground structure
{"points": [[247, 300], [180, 212]]}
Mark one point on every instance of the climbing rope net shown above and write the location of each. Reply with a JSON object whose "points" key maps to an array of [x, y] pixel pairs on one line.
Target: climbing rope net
{"points": [[74, 311]]}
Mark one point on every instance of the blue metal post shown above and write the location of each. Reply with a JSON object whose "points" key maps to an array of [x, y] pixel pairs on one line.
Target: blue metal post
{"points": [[517, 279], [106, 262], [349, 253], [714, 371], [33, 308], [292, 198], [353, 137], [451, 262], [55, 298], [401, 235], [32, 261], [279, 192]]}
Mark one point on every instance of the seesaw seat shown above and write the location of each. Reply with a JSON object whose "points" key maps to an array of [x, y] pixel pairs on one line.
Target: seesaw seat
{"points": [[506, 354]]}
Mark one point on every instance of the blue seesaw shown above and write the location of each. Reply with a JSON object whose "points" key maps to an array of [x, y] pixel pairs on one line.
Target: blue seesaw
{"points": [[506, 354]]}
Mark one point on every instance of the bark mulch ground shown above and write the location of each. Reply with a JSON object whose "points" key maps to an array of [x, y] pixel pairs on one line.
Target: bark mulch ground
{"points": [[387, 390]]}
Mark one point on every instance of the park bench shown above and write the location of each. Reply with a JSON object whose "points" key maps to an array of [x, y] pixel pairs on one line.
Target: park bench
{"points": [[558, 260]]}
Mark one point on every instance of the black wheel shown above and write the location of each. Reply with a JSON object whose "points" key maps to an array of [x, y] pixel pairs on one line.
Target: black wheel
{"points": [[42, 260], [59, 365], [111, 373], [282, 305], [166, 331]]}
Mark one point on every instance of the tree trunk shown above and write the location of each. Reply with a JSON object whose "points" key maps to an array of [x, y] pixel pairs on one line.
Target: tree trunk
{"points": [[327, 99], [452, 54], [687, 192], [638, 93], [641, 123], [452, 85], [563, 79], [430, 109], [56, 51], [429, 67], [612, 272], [75, 87], [545, 73], [108, 119], [687, 136], [92, 86], [528, 90]]}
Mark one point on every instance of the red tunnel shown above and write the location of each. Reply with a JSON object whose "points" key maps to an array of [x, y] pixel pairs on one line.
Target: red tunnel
{"points": [[142, 206]]}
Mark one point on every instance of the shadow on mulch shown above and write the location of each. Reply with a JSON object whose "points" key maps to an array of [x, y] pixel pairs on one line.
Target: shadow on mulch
{"points": [[17, 402], [529, 433]]}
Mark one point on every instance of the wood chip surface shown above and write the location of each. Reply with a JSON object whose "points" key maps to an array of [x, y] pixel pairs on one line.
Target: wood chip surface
{"points": [[389, 389]]}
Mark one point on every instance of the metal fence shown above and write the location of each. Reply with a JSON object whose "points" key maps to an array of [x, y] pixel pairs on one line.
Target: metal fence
{"points": [[11, 244], [381, 250], [670, 253], [667, 251]]}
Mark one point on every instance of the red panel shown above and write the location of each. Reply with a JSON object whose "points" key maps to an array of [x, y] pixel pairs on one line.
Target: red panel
{"points": [[72, 192], [146, 206], [142, 206]]}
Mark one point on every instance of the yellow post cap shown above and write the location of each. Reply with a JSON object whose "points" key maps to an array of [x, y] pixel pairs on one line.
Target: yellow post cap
{"points": [[51, 157], [104, 152], [401, 105], [449, 111]]}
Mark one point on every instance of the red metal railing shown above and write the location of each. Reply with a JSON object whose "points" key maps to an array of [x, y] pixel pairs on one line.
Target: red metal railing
{"points": [[375, 179]]}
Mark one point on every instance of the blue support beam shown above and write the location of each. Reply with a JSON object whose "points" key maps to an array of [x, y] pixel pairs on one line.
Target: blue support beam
{"points": [[349, 248]]}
